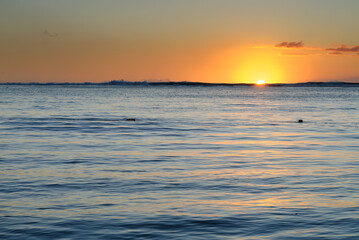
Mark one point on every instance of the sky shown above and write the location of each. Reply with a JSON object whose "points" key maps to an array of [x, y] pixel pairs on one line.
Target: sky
{"points": [[222, 41]]}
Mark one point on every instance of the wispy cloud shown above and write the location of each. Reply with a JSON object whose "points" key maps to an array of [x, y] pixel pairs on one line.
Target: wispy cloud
{"points": [[290, 45], [344, 48], [49, 34], [299, 49], [296, 49], [295, 46], [335, 53]]}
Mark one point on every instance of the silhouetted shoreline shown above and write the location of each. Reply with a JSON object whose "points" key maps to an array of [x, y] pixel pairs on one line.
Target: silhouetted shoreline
{"points": [[184, 83]]}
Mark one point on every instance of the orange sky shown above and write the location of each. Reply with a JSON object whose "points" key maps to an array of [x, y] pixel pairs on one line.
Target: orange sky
{"points": [[225, 41]]}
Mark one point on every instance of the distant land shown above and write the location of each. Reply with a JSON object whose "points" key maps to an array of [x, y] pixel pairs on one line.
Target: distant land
{"points": [[184, 83]]}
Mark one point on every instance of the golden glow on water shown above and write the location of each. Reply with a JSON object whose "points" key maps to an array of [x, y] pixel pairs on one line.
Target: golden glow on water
{"points": [[256, 175]]}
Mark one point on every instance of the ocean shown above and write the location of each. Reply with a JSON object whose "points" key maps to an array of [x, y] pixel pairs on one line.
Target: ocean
{"points": [[198, 162]]}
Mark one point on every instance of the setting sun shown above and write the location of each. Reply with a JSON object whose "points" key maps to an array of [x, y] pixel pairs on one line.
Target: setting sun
{"points": [[260, 82]]}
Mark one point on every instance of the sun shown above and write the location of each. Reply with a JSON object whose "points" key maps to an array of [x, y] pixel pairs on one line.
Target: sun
{"points": [[260, 82]]}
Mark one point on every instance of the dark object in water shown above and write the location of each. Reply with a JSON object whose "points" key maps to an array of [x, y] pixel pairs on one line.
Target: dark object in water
{"points": [[300, 120], [131, 119]]}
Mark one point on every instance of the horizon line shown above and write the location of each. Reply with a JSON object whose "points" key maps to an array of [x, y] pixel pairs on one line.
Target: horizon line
{"points": [[124, 82]]}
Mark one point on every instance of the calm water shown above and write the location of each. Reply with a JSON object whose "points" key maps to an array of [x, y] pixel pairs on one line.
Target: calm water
{"points": [[199, 162]]}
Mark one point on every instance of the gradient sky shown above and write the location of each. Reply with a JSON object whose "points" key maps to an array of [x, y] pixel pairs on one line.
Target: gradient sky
{"points": [[223, 41]]}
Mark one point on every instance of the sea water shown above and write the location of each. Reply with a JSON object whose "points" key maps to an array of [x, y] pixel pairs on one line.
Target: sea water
{"points": [[199, 162]]}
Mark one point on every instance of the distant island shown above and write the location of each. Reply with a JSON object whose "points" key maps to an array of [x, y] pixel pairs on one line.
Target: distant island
{"points": [[185, 83]]}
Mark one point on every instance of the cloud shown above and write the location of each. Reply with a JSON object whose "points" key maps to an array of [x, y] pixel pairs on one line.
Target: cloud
{"points": [[344, 48], [298, 49], [290, 45], [335, 53], [49, 34]]}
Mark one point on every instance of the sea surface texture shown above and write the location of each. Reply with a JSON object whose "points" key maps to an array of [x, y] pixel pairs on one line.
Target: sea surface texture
{"points": [[199, 162]]}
